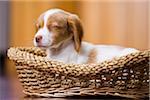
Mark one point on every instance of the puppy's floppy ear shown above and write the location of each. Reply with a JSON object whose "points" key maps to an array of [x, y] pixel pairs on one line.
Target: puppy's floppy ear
{"points": [[75, 28]]}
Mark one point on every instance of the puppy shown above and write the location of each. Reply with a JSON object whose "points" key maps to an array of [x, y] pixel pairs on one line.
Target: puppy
{"points": [[61, 33]]}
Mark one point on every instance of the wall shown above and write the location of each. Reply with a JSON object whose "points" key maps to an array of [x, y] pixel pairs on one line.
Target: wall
{"points": [[121, 22]]}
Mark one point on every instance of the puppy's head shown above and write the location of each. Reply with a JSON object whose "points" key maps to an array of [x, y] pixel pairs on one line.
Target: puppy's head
{"points": [[55, 26]]}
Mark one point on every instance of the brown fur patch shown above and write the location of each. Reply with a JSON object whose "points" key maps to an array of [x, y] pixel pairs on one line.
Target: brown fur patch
{"points": [[58, 26], [92, 56], [40, 22]]}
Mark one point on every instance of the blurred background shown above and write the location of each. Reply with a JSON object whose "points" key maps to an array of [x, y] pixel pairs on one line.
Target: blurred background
{"points": [[118, 22]]}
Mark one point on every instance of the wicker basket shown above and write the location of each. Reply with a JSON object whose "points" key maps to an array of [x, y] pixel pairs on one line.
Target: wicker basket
{"points": [[127, 76]]}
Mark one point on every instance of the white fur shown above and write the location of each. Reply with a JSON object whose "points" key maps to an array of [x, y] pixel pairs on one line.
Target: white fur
{"points": [[69, 54]]}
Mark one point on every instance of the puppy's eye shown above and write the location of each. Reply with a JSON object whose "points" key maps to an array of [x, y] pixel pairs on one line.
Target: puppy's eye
{"points": [[56, 26]]}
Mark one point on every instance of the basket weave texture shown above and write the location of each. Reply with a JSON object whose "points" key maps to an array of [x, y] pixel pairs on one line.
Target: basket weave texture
{"points": [[127, 76]]}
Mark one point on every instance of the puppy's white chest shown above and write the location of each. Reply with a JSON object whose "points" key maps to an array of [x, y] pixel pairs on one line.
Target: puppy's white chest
{"points": [[66, 55], [63, 57]]}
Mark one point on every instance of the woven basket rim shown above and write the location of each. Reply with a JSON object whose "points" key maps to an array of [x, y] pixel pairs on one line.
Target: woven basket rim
{"points": [[23, 51]]}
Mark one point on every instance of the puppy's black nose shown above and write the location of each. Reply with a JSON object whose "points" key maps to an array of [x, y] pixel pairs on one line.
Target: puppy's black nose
{"points": [[38, 38]]}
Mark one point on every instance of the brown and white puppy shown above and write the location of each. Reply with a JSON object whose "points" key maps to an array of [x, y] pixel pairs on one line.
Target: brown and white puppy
{"points": [[61, 33]]}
